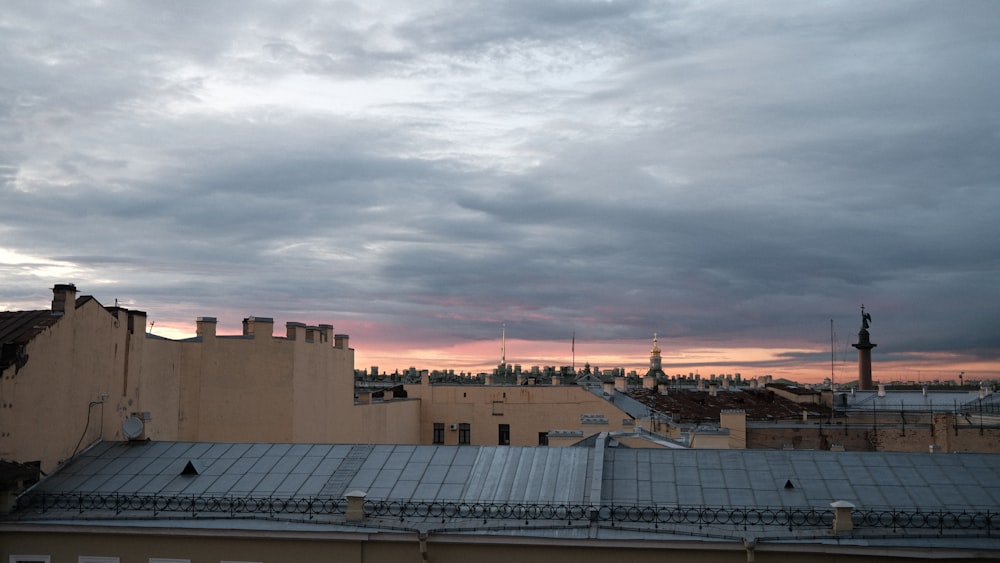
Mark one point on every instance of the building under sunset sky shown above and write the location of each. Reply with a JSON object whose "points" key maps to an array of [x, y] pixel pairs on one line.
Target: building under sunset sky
{"points": [[730, 177]]}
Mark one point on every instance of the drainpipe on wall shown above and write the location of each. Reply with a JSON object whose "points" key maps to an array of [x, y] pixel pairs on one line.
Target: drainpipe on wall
{"points": [[750, 544], [422, 543]]}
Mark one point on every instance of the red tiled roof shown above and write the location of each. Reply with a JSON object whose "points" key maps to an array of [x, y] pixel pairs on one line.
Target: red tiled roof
{"points": [[794, 389], [685, 405]]}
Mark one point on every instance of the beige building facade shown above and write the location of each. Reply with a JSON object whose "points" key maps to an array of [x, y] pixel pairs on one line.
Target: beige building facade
{"points": [[512, 415], [92, 372], [94, 367]]}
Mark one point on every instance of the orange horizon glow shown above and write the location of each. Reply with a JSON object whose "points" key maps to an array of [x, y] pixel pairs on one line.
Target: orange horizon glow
{"points": [[474, 357]]}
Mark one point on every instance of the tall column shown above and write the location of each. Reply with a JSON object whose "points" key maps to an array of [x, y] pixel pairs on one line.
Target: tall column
{"points": [[864, 346]]}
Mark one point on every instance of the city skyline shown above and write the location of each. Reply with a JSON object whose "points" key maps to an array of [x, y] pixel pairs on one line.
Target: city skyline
{"points": [[730, 177], [807, 365]]}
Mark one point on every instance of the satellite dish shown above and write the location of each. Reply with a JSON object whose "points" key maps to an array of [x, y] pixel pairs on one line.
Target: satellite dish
{"points": [[132, 428]]}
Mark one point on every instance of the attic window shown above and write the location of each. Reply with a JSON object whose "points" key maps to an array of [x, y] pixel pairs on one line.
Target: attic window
{"points": [[193, 467], [789, 485]]}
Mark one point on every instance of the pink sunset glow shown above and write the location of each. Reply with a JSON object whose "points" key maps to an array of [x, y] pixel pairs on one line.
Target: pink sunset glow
{"points": [[678, 357], [478, 357]]}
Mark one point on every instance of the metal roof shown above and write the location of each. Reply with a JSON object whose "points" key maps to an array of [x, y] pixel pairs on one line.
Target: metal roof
{"points": [[425, 473], [18, 328], [503, 474], [22, 326], [758, 478], [909, 400], [582, 492]]}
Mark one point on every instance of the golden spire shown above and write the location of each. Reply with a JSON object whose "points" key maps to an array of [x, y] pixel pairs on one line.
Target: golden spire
{"points": [[656, 348]]}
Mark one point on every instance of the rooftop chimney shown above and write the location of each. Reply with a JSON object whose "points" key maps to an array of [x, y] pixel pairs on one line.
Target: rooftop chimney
{"points": [[61, 294], [327, 331], [258, 326], [295, 331], [205, 327]]}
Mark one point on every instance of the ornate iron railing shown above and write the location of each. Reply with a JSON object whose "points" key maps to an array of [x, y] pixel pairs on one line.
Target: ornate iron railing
{"points": [[311, 507]]}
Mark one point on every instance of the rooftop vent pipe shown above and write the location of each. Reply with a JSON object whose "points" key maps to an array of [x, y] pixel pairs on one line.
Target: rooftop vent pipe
{"points": [[842, 516], [355, 505]]}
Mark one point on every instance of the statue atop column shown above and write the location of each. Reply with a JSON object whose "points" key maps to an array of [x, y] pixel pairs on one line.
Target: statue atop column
{"points": [[864, 346]]}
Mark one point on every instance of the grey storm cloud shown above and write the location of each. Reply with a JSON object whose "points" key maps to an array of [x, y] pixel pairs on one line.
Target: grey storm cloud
{"points": [[722, 173]]}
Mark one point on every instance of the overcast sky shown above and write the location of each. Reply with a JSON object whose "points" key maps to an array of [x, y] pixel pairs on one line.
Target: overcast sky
{"points": [[730, 175]]}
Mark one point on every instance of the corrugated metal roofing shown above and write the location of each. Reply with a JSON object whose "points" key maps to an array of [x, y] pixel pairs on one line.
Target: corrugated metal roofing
{"points": [[757, 478], [425, 473], [500, 474], [896, 400], [582, 493]]}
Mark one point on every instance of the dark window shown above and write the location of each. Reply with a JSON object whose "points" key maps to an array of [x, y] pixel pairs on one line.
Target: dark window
{"points": [[504, 439], [438, 432], [543, 438], [464, 433]]}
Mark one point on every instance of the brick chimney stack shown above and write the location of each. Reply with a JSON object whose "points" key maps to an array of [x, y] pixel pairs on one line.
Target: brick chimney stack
{"points": [[63, 298]]}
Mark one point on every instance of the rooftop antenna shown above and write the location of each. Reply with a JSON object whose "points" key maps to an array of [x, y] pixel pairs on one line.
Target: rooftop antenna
{"points": [[503, 344], [833, 347], [573, 347]]}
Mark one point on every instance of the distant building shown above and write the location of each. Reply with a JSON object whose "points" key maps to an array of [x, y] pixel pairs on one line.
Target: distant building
{"points": [[655, 373], [784, 416]]}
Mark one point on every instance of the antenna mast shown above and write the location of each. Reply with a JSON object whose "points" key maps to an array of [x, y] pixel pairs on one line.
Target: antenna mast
{"points": [[833, 347], [503, 344]]}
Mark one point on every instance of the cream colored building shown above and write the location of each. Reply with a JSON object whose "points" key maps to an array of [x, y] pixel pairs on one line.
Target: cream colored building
{"points": [[80, 372], [511, 415]]}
